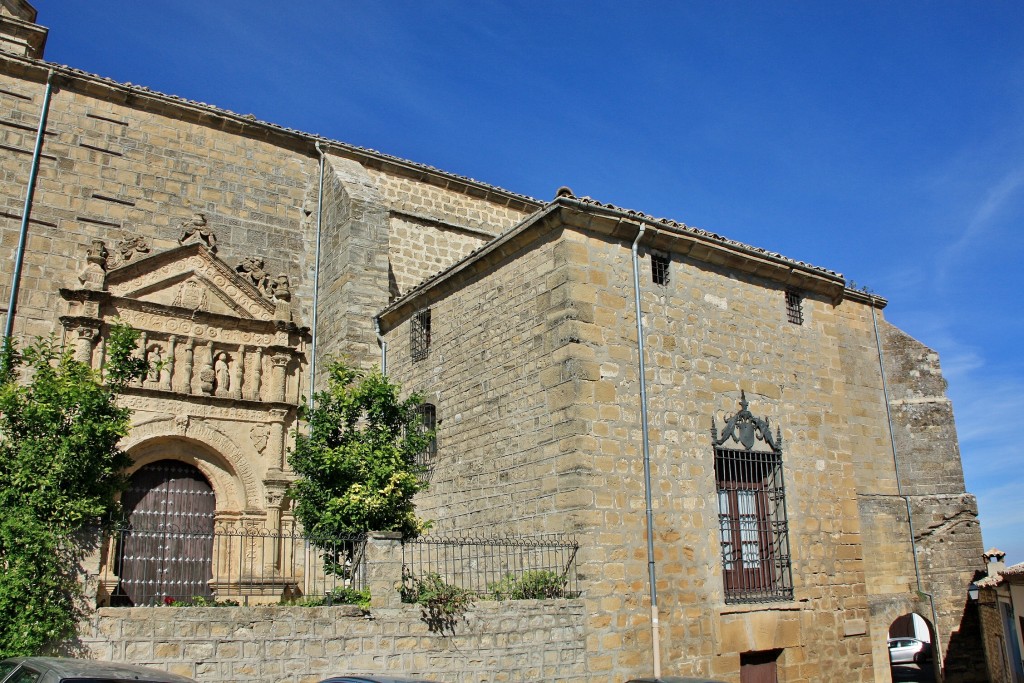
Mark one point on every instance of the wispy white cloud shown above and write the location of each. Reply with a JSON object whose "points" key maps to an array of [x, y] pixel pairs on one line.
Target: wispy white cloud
{"points": [[988, 208]]}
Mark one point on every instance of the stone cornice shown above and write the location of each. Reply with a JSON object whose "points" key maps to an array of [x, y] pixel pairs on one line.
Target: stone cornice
{"points": [[248, 126]]}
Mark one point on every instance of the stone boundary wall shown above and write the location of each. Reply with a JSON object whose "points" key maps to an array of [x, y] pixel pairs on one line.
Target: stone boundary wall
{"points": [[525, 640]]}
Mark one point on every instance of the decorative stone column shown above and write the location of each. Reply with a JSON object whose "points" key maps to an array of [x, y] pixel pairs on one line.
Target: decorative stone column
{"points": [[275, 501], [275, 442], [257, 373], [278, 379], [187, 387], [85, 338]]}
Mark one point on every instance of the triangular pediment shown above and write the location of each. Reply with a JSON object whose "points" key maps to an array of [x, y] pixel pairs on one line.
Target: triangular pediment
{"points": [[189, 277]]}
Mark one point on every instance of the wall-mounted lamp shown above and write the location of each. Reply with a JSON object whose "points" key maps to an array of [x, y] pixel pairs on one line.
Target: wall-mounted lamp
{"points": [[972, 592]]}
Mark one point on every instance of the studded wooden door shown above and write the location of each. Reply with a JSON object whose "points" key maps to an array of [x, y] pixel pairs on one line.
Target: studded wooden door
{"points": [[167, 552]]}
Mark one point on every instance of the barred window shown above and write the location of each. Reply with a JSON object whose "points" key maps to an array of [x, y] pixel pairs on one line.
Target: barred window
{"points": [[753, 529], [419, 331], [428, 423], [794, 307], [659, 269], [425, 459]]}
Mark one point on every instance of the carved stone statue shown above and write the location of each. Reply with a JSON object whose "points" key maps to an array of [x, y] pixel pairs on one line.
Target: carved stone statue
{"points": [[222, 373], [154, 358], [129, 245], [197, 226], [93, 275], [252, 270], [281, 289]]}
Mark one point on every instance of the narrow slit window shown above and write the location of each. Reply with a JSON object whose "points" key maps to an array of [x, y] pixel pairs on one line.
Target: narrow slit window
{"points": [[428, 423], [659, 269], [419, 330], [794, 307]]}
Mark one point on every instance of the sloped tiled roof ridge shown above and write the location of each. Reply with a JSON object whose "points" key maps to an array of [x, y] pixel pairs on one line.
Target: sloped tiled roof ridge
{"points": [[713, 236], [565, 197], [564, 193]]}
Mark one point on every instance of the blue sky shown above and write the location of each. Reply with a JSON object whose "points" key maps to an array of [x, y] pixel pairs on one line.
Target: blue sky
{"points": [[881, 140]]}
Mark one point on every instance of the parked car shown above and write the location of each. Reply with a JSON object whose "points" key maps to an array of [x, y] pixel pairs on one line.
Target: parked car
{"points": [[906, 650], [60, 669], [374, 678]]}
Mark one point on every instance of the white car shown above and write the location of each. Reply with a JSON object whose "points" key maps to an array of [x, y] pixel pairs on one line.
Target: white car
{"points": [[906, 650]]}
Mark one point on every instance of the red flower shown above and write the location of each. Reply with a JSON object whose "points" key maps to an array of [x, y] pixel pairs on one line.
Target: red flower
{"points": [[168, 601]]}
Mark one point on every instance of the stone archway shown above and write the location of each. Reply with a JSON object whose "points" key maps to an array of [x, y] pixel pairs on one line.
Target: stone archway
{"points": [[911, 649], [230, 472]]}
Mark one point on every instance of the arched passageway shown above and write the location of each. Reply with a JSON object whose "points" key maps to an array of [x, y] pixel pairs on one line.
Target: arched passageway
{"points": [[911, 649]]}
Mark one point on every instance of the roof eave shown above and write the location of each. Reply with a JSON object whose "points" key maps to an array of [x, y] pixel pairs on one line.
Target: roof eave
{"points": [[622, 224]]}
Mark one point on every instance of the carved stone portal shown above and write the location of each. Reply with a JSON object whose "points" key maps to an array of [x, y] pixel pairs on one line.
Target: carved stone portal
{"points": [[223, 349]]}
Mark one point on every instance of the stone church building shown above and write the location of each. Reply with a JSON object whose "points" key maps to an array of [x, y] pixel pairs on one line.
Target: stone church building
{"points": [[804, 482]]}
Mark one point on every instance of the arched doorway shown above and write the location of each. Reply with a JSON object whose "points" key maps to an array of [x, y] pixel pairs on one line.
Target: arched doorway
{"points": [[166, 553], [911, 649]]}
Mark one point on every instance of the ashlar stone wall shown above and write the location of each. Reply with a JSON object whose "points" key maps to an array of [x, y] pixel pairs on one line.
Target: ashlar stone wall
{"points": [[542, 426], [515, 642], [115, 163]]}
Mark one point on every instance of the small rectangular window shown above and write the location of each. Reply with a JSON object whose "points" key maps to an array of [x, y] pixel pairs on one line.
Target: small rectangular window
{"points": [[794, 307], [659, 269], [419, 330]]}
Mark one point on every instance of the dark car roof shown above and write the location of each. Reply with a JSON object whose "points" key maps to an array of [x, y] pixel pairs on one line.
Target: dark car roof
{"points": [[56, 668], [374, 678]]}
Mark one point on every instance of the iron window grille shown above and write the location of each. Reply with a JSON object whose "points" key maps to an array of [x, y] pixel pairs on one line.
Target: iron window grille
{"points": [[428, 423], [419, 335], [659, 269], [753, 528], [794, 307]]}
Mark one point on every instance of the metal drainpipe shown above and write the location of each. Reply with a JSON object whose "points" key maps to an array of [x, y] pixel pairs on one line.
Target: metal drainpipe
{"points": [[655, 627], [316, 275], [19, 256], [899, 485], [383, 347]]}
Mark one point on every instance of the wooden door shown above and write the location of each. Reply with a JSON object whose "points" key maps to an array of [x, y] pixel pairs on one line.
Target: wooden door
{"points": [[759, 667], [167, 552]]}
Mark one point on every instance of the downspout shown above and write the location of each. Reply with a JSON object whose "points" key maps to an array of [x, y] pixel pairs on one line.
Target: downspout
{"points": [[19, 256], [899, 484], [655, 628], [383, 346], [316, 274]]}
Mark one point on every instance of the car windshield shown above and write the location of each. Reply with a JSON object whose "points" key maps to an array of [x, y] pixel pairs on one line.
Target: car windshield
{"points": [[24, 675], [6, 667]]}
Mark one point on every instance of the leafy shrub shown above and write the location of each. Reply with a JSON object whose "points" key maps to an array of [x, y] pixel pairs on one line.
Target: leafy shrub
{"points": [[200, 601], [442, 604], [357, 461], [340, 595], [530, 585], [60, 472]]}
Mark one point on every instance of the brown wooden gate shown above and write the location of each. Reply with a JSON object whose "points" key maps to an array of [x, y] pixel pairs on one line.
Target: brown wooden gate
{"points": [[167, 551]]}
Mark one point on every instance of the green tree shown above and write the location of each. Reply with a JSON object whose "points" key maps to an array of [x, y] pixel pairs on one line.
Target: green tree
{"points": [[356, 465], [60, 470]]}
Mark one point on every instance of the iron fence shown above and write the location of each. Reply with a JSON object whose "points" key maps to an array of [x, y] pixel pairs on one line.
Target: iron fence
{"points": [[231, 564], [489, 566]]}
